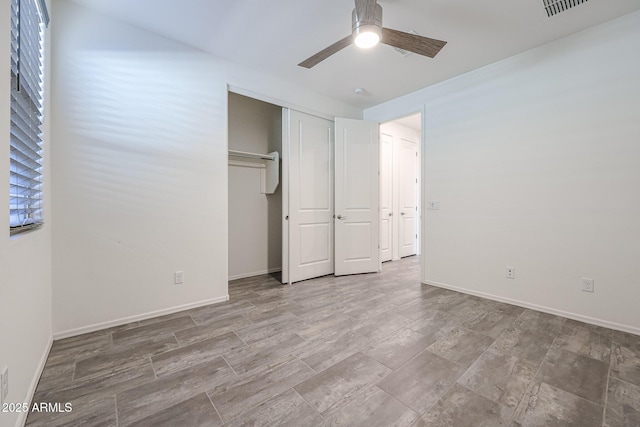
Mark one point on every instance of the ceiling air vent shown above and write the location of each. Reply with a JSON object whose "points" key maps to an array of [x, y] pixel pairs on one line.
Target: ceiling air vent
{"points": [[401, 51], [554, 7]]}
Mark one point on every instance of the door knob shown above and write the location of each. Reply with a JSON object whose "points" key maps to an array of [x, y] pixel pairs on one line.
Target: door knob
{"points": [[390, 213], [401, 213], [341, 217]]}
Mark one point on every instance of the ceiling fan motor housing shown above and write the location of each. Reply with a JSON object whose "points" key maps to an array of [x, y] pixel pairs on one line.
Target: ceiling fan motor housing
{"points": [[367, 19]]}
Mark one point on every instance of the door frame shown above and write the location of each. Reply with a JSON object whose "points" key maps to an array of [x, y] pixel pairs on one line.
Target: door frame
{"points": [[285, 170], [284, 179], [422, 165], [384, 171], [403, 163]]}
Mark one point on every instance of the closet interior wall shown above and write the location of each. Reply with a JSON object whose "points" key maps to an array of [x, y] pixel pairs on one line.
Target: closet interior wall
{"points": [[255, 219]]}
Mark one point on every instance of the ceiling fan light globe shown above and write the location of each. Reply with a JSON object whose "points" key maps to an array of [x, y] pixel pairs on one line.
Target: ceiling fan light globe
{"points": [[367, 36]]}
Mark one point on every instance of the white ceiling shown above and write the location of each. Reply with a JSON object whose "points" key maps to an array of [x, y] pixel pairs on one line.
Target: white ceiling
{"points": [[274, 36]]}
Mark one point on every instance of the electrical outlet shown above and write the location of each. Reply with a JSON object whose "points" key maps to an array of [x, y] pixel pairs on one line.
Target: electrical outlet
{"points": [[4, 384], [511, 273], [588, 285], [178, 278]]}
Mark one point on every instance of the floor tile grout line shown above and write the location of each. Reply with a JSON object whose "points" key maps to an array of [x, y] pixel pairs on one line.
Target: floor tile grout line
{"points": [[240, 338], [115, 399], [308, 403], [131, 331], [229, 365], [405, 363], [153, 368], [194, 322], [448, 388], [262, 401], [281, 357], [464, 372], [582, 355], [574, 395], [606, 390], [535, 375], [305, 364], [329, 367], [214, 407], [338, 405], [626, 382], [400, 401], [315, 373], [177, 340]]}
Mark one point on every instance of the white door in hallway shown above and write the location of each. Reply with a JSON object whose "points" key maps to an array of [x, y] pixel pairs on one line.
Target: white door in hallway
{"points": [[308, 164], [408, 197], [357, 194], [386, 197]]}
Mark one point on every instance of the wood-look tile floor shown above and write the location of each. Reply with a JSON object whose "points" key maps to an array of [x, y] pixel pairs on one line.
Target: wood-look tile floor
{"points": [[372, 350]]}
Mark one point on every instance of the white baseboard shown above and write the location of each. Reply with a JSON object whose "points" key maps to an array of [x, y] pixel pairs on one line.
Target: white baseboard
{"points": [[549, 310], [255, 273], [22, 416], [144, 316]]}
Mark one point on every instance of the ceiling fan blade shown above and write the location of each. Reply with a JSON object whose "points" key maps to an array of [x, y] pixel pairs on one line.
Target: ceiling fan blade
{"points": [[314, 60], [411, 42]]}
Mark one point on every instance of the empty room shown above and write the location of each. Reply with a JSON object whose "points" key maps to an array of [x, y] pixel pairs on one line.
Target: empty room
{"points": [[339, 212]]}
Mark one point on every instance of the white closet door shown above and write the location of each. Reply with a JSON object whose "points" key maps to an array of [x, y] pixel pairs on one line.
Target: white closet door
{"points": [[357, 197], [310, 201], [386, 197], [408, 195]]}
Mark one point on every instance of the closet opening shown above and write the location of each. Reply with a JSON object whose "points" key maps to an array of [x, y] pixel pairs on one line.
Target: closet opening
{"points": [[255, 194], [400, 192]]}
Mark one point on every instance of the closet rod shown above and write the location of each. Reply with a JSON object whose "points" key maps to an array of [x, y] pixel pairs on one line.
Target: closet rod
{"points": [[250, 155]]}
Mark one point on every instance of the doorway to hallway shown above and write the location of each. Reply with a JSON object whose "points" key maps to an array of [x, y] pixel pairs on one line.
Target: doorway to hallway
{"points": [[400, 160]]}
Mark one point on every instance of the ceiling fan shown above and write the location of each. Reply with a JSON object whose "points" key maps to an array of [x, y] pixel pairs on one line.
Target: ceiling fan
{"points": [[367, 31]]}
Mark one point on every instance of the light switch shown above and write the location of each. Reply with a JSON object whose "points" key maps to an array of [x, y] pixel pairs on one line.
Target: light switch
{"points": [[433, 205]]}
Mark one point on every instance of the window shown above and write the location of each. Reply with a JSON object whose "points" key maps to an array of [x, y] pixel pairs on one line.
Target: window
{"points": [[28, 19]]}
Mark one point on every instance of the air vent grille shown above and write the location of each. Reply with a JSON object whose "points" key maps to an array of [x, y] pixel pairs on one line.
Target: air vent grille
{"points": [[401, 51], [554, 7]]}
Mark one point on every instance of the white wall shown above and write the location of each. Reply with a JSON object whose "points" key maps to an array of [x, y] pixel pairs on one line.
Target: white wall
{"points": [[140, 177], [399, 132], [25, 265], [255, 219], [536, 163]]}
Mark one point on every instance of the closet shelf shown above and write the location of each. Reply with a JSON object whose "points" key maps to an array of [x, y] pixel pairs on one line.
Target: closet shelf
{"points": [[248, 155], [269, 175]]}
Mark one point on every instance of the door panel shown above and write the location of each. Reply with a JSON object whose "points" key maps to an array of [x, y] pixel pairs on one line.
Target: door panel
{"points": [[386, 197], [315, 243], [310, 169], [355, 233], [408, 187], [357, 223]]}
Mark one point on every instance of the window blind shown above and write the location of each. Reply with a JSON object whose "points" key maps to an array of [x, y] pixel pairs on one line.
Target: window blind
{"points": [[28, 18]]}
